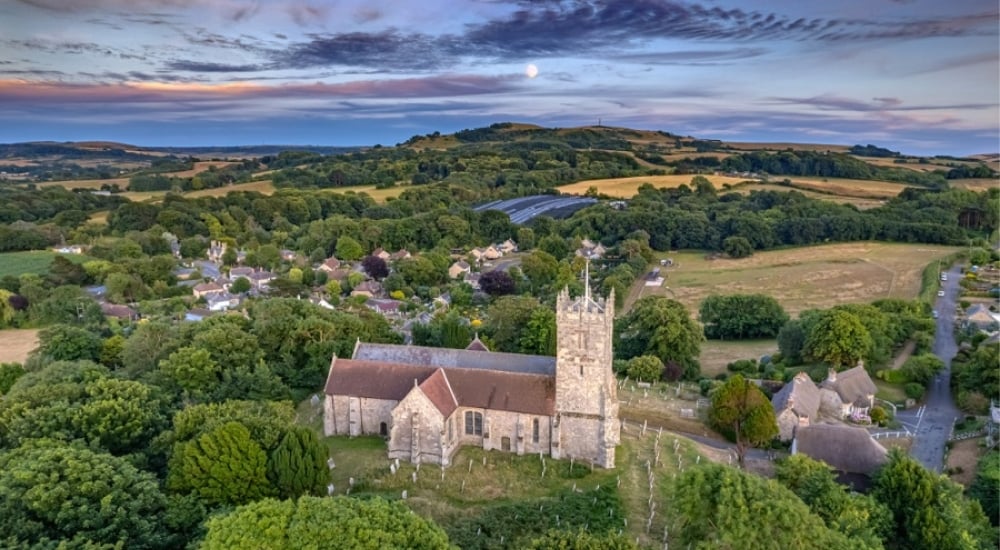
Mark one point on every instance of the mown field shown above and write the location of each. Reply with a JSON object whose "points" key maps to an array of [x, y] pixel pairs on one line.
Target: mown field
{"points": [[33, 261], [800, 278], [16, 344], [628, 187]]}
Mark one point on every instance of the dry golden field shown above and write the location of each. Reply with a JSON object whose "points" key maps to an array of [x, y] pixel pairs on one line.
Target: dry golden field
{"points": [[263, 186], [742, 146], [628, 187], [800, 278], [849, 187], [16, 344], [976, 184], [86, 184], [861, 202]]}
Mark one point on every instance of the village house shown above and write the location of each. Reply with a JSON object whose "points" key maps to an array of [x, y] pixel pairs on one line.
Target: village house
{"points": [[288, 255], [121, 312], [485, 253], [849, 450], [204, 289], [980, 317], [458, 269], [69, 249], [381, 253], [236, 272], [473, 280], [259, 279], [591, 250], [507, 247], [401, 254], [429, 402], [384, 306], [801, 403], [222, 301], [369, 289], [329, 265]]}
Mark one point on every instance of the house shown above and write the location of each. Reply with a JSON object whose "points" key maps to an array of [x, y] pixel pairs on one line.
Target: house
{"points": [[796, 405], [507, 247], [197, 314], [259, 279], [401, 254], [849, 450], [222, 302], [855, 389], [487, 253], [591, 250], [381, 253], [458, 269], [204, 289], [473, 280], [124, 313], [329, 265], [69, 249], [442, 301], [339, 274], [845, 395], [184, 273], [237, 272], [980, 317], [368, 289], [429, 402], [384, 306], [288, 255], [215, 250]]}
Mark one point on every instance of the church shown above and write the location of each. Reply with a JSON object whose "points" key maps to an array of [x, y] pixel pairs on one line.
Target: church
{"points": [[429, 402]]}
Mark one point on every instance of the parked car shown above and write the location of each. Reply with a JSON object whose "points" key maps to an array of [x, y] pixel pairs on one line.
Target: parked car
{"points": [[940, 293], [934, 314]]}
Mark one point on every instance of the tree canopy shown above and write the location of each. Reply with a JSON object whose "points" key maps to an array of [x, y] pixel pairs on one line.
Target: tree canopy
{"points": [[662, 328], [741, 316], [742, 412]]}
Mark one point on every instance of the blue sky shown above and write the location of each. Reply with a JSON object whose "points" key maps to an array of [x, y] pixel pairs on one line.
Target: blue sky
{"points": [[920, 76]]}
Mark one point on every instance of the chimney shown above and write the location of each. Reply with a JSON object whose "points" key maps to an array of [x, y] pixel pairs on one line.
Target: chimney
{"points": [[831, 375]]}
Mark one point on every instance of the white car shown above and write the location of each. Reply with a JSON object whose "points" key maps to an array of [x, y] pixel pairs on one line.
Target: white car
{"points": [[940, 293]]}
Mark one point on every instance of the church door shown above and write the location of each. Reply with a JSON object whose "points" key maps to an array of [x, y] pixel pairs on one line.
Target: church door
{"points": [[505, 444], [383, 429]]}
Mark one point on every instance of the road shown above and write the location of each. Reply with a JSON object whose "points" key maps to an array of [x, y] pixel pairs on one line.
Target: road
{"points": [[939, 412]]}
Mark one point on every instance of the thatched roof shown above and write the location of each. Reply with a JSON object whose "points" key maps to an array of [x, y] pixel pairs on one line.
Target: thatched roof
{"points": [[801, 395], [845, 448], [852, 384]]}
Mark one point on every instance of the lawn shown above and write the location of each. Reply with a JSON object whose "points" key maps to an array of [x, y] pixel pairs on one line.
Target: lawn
{"points": [[716, 354], [890, 392], [33, 261], [799, 278]]}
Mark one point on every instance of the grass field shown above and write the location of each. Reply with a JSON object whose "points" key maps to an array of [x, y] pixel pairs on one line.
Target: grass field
{"points": [[628, 187], [85, 184], [860, 202], [800, 278], [850, 188], [33, 261], [16, 344], [976, 184]]}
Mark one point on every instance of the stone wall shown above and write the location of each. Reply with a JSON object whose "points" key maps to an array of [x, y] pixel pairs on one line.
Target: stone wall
{"points": [[417, 430], [354, 416]]}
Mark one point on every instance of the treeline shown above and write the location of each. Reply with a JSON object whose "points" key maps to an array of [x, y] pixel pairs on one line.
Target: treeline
{"points": [[700, 218], [827, 165], [39, 205], [213, 177]]}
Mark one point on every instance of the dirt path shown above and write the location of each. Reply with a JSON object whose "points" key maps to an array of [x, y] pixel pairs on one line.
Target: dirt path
{"points": [[904, 354]]}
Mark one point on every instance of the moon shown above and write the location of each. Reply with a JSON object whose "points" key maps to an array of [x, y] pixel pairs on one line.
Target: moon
{"points": [[531, 70]]}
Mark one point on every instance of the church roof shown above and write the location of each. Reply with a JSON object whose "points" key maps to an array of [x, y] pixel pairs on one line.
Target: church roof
{"points": [[456, 358], [852, 384], [477, 345], [438, 390], [484, 389]]}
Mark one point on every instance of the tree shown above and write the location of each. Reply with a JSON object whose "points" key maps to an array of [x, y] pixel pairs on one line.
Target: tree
{"points": [[312, 522], [349, 249], [375, 267], [68, 343], [268, 256], [554, 245], [193, 371], [723, 507], [985, 487], [222, 466], [540, 268], [119, 415], [497, 283], [647, 368], [52, 491], [149, 344], [9, 373], [581, 540], [857, 516], [124, 287], [539, 336], [741, 316], [737, 247], [297, 466], [838, 338], [791, 340], [7, 310], [661, 327], [508, 316], [267, 421], [240, 285], [744, 414], [62, 271], [922, 368], [929, 511]]}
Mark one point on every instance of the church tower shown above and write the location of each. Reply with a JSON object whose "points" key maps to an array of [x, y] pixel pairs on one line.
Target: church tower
{"points": [[586, 426]]}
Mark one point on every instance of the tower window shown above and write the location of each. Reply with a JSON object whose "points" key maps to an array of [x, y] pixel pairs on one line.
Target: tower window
{"points": [[473, 423], [581, 369]]}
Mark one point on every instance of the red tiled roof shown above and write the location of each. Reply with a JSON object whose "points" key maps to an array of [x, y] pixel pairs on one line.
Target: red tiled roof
{"points": [[437, 389], [479, 388]]}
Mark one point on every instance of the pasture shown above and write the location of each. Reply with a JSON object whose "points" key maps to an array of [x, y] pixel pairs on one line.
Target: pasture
{"points": [[33, 261], [17, 343], [850, 187], [799, 278], [628, 187]]}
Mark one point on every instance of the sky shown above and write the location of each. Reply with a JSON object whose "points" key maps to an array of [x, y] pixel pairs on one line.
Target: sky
{"points": [[917, 76]]}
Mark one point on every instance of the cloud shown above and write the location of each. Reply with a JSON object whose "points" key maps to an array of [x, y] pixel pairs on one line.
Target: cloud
{"points": [[691, 57], [307, 13], [389, 49], [878, 104]]}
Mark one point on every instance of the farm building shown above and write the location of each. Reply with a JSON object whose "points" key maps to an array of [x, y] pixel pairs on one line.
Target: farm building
{"points": [[429, 402]]}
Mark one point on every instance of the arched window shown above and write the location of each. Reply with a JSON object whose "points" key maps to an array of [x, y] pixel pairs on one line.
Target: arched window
{"points": [[534, 430], [473, 423]]}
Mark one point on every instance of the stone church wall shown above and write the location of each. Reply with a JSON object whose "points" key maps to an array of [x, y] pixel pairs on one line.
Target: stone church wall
{"points": [[416, 417], [367, 418]]}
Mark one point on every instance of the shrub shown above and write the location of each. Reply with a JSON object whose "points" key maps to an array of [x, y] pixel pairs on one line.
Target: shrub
{"points": [[914, 390], [879, 416]]}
